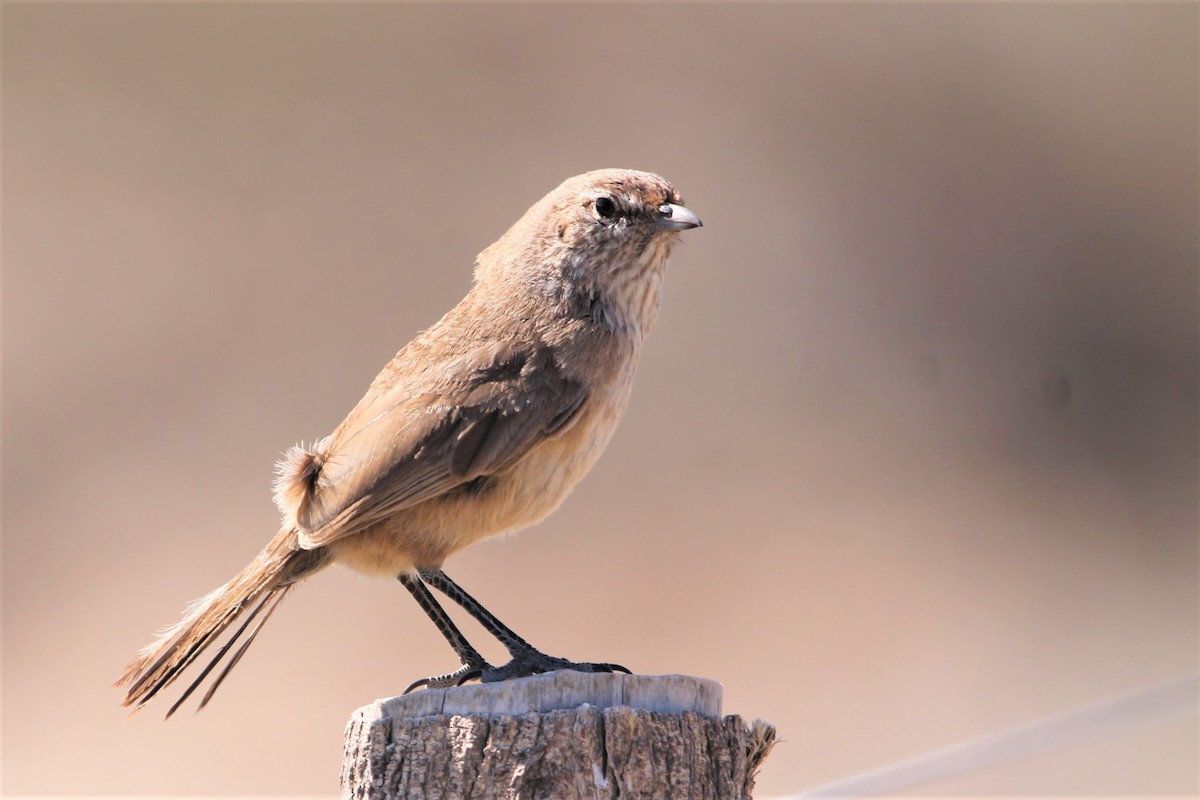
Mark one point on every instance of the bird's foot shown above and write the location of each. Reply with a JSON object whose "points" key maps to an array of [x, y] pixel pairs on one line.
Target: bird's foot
{"points": [[533, 662], [460, 676]]}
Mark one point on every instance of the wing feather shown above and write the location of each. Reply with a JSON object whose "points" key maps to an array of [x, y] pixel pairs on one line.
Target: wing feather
{"points": [[401, 447]]}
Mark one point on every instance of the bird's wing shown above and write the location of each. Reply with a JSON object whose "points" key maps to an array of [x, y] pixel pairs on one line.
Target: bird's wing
{"points": [[393, 452]]}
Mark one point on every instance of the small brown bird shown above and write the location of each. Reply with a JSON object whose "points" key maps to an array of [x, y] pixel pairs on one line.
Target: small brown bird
{"points": [[480, 425]]}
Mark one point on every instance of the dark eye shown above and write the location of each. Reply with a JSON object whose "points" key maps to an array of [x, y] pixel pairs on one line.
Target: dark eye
{"points": [[605, 207]]}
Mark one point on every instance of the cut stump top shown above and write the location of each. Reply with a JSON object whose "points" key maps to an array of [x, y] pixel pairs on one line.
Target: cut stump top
{"points": [[670, 694]]}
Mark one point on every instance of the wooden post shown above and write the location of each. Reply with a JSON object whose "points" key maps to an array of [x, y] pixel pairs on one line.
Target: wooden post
{"points": [[559, 736]]}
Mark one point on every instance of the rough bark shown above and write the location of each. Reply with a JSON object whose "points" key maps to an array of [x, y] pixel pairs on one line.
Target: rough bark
{"points": [[560, 736]]}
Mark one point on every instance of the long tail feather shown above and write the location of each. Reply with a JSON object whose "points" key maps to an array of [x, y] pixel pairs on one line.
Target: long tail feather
{"points": [[260, 586], [220, 655], [272, 602]]}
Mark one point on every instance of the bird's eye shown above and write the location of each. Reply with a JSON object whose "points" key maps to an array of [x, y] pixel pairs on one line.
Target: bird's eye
{"points": [[605, 207]]}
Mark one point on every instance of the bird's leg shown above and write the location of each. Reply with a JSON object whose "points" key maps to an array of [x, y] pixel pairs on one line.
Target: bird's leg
{"points": [[473, 664], [526, 659]]}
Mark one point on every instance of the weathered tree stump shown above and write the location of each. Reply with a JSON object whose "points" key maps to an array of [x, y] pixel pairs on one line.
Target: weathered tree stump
{"points": [[559, 736]]}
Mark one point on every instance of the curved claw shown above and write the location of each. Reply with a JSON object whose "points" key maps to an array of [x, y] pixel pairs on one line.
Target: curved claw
{"points": [[460, 676], [416, 685]]}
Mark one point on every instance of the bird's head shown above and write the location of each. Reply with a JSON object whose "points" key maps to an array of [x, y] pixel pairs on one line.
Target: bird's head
{"points": [[603, 237]]}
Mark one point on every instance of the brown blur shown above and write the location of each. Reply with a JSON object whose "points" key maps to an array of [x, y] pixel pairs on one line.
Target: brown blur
{"points": [[912, 455]]}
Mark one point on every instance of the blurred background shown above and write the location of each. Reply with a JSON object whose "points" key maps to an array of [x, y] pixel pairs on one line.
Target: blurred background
{"points": [[912, 455]]}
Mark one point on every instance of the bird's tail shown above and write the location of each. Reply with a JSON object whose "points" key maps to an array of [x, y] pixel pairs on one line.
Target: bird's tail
{"points": [[254, 593]]}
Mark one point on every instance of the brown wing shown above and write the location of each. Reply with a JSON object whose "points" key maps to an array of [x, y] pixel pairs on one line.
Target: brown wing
{"points": [[396, 451]]}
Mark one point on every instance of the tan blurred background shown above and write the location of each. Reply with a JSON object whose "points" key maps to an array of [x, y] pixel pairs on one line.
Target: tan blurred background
{"points": [[913, 450]]}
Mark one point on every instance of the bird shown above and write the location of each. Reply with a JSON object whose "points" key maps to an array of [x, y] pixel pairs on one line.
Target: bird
{"points": [[481, 425]]}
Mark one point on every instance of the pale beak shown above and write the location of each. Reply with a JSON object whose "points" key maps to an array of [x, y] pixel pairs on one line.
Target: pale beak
{"points": [[676, 218]]}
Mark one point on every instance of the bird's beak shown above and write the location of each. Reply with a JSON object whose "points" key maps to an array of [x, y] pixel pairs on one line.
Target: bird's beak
{"points": [[676, 218]]}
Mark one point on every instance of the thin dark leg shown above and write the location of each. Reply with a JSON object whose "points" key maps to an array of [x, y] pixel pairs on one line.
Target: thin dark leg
{"points": [[442, 582], [526, 659], [473, 663]]}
